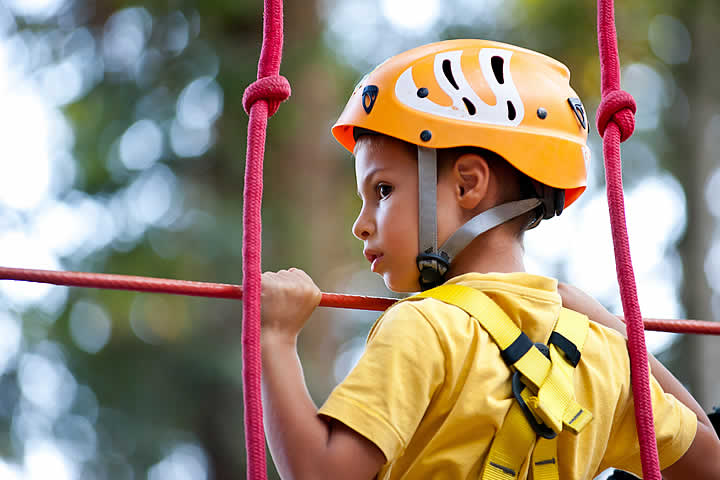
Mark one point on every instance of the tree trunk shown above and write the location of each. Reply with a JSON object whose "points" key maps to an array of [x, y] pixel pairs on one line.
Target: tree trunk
{"points": [[699, 355]]}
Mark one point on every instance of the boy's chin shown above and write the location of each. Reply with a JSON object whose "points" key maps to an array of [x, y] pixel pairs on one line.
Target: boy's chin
{"points": [[404, 286]]}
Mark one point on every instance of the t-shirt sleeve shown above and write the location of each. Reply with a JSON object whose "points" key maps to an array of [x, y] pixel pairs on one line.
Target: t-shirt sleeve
{"points": [[385, 396], [675, 428]]}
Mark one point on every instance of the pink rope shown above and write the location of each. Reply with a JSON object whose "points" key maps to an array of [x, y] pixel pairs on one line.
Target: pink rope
{"points": [[616, 122], [261, 100]]}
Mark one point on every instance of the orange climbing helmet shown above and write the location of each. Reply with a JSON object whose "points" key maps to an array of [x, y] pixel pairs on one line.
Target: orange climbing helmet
{"points": [[512, 101]]}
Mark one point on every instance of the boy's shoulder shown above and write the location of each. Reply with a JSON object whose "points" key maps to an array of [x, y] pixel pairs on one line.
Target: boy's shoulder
{"points": [[411, 315]]}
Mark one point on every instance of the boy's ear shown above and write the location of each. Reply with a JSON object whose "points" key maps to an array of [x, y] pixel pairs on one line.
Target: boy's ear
{"points": [[471, 174]]}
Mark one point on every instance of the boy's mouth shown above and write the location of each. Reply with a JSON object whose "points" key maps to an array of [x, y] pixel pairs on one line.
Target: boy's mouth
{"points": [[372, 257]]}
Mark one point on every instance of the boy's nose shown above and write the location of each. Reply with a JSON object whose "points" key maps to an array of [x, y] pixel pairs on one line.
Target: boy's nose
{"points": [[362, 228]]}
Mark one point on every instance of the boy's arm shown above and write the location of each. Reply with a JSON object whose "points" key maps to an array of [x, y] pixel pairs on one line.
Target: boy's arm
{"points": [[302, 444], [702, 460]]}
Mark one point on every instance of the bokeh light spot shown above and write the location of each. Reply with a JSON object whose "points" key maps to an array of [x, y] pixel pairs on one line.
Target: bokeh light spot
{"points": [[411, 14], [150, 196], [36, 9], [186, 462], [669, 39], [10, 336], [124, 38], [77, 436], [20, 250], [178, 33], [187, 142], [47, 385], [25, 165], [44, 460], [200, 103], [90, 326], [648, 87], [141, 145]]}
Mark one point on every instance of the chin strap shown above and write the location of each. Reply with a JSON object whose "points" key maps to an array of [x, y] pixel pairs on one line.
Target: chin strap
{"points": [[433, 262], [484, 221]]}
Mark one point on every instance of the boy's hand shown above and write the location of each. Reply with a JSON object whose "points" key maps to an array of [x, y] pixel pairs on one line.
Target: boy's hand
{"points": [[288, 299]]}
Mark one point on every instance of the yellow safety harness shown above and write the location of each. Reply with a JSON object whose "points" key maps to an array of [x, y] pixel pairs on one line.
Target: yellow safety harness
{"points": [[542, 384]]}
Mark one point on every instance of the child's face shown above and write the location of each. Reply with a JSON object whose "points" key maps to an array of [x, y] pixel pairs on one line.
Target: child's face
{"points": [[387, 182]]}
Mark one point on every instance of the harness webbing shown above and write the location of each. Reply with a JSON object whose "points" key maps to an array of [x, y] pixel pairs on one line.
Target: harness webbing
{"points": [[542, 384]]}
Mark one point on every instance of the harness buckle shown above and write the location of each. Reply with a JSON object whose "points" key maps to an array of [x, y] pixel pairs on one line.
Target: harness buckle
{"points": [[518, 386], [540, 428]]}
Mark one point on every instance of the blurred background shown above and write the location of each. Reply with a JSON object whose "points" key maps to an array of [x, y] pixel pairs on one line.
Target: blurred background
{"points": [[122, 144]]}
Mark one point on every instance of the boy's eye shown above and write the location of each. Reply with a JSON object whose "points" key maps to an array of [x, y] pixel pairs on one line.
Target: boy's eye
{"points": [[384, 190]]}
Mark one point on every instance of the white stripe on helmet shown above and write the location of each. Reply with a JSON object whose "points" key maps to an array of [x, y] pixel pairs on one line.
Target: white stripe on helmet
{"points": [[406, 90]]}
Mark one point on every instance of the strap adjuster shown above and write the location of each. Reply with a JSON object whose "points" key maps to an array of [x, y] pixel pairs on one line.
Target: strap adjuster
{"points": [[572, 354], [540, 428], [516, 350]]}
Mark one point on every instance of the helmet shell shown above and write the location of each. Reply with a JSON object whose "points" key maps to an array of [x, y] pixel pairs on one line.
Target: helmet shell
{"points": [[510, 100]]}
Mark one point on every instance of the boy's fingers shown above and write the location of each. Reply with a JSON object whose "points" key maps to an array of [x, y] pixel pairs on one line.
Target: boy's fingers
{"points": [[291, 279], [308, 281]]}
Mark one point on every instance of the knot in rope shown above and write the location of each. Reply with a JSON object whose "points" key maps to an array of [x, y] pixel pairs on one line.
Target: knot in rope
{"points": [[274, 90], [618, 107]]}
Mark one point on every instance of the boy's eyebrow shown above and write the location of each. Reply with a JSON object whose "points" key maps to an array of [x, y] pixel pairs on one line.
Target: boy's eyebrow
{"points": [[370, 174]]}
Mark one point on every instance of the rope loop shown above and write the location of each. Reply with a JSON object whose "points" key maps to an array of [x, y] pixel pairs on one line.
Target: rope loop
{"points": [[274, 90], [618, 107]]}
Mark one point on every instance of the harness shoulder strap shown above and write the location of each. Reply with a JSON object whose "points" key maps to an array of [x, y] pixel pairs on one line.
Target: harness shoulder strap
{"points": [[516, 348], [543, 409]]}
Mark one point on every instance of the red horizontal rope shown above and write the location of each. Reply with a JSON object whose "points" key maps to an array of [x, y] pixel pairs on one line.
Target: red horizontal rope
{"points": [[123, 282], [225, 290]]}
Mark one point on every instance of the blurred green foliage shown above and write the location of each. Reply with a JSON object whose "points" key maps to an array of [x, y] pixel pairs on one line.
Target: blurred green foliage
{"points": [[179, 382]]}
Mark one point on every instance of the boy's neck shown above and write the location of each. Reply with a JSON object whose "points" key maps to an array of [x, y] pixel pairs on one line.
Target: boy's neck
{"points": [[497, 250]]}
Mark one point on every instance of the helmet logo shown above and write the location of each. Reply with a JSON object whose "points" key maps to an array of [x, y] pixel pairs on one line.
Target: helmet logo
{"points": [[369, 96], [494, 64], [579, 110]]}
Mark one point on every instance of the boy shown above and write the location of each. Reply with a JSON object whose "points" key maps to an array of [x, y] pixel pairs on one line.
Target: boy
{"points": [[478, 141]]}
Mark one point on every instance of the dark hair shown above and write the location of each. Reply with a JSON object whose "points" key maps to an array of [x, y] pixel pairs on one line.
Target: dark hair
{"points": [[359, 132]]}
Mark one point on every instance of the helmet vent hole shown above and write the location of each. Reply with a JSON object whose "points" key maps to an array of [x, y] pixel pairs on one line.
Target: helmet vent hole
{"points": [[497, 67], [447, 70], [469, 105], [511, 111]]}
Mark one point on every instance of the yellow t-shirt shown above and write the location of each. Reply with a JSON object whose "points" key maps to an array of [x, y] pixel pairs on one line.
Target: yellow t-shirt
{"points": [[431, 389]]}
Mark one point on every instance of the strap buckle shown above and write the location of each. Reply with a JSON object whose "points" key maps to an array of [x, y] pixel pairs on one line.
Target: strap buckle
{"points": [[518, 386], [433, 267], [540, 428]]}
